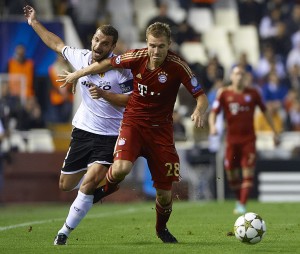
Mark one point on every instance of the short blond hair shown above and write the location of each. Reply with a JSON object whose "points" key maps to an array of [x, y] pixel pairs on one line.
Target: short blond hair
{"points": [[159, 29]]}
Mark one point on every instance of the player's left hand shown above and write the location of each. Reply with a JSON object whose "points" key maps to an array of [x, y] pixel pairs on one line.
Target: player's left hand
{"points": [[95, 92], [67, 77]]}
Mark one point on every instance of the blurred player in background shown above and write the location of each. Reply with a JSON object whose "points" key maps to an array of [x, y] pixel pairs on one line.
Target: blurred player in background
{"points": [[238, 102], [96, 122], [147, 127]]}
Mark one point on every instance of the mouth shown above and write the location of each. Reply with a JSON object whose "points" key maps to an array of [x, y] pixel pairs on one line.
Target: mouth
{"points": [[97, 54], [156, 57]]}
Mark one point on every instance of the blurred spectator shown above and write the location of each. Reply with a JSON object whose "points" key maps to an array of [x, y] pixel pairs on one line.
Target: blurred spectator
{"points": [[294, 116], [291, 105], [274, 89], [293, 20], [293, 57], [289, 99], [293, 80], [186, 33], [86, 16], [268, 62], [212, 72], [21, 67], [273, 30], [284, 6], [61, 99], [62, 7], [250, 12], [15, 7], [30, 116], [163, 17], [178, 127], [260, 122]]}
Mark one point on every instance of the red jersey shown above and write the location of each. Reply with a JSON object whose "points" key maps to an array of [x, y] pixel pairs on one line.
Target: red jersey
{"points": [[239, 110], [155, 91]]}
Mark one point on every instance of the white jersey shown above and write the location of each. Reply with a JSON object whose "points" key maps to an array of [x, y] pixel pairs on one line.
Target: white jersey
{"points": [[98, 115]]}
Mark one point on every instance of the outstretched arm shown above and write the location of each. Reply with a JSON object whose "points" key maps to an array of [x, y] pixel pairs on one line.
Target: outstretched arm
{"points": [[199, 114], [95, 68], [49, 38]]}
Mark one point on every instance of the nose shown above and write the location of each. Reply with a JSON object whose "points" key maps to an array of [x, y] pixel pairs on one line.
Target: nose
{"points": [[156, 50]]}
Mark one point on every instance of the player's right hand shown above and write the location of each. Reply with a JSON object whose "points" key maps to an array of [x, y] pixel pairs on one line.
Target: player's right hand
{"points": [[29, 13]]}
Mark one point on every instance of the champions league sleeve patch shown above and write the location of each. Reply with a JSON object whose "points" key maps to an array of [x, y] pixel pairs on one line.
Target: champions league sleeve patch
{"points": [[194, 81], [118, 60], [195, 84]]}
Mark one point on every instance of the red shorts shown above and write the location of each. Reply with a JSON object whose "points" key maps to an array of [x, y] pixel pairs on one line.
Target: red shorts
{"points": [[240, 155], [155, 143]]}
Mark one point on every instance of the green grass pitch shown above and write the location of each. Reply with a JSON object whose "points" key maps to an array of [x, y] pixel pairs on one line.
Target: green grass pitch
{"points": [[200, 227]]}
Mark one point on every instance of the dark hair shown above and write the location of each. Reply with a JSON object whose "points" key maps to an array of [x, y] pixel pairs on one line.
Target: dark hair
{"points": [[109, 30], [159, 29]]}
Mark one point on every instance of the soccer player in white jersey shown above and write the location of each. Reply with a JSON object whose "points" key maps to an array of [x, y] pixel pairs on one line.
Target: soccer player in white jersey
{"points": [[96, 122]]}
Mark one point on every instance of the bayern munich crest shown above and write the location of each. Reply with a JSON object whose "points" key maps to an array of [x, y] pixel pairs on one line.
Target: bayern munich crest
{"points": [[162, 77], [247, 98]]}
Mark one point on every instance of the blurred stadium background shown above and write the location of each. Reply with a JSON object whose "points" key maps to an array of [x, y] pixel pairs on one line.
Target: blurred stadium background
{"points": [[212, 36]]}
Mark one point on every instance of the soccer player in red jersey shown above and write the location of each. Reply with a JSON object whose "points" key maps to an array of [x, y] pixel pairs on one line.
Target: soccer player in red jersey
{"points": [[147, 129], [238, 102]]}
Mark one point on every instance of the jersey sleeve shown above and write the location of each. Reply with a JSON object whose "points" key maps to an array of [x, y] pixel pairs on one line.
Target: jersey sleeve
{"points": [[126, 81], [193, 86], [126, 60], [187, 77], [76, 57]]}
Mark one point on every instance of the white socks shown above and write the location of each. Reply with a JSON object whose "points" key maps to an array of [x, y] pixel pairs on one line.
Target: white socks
{"points": [[81, 205]]}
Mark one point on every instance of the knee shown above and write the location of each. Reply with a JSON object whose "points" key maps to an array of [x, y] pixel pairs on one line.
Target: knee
{"points": [[64, 185], [120, 169], [164, 198]]}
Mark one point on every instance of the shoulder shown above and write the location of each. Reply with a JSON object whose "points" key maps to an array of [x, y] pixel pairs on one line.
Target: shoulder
{"points": [[135, 54], [67, 50], [222, 90], [177, 62], [175, 59], [252, 90]]}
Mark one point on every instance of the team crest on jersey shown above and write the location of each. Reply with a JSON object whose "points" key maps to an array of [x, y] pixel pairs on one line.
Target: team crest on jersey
{"points": [[247, 98], [102, 75], [162, 77], [118, 60], [139, 76], [121, 141]]}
